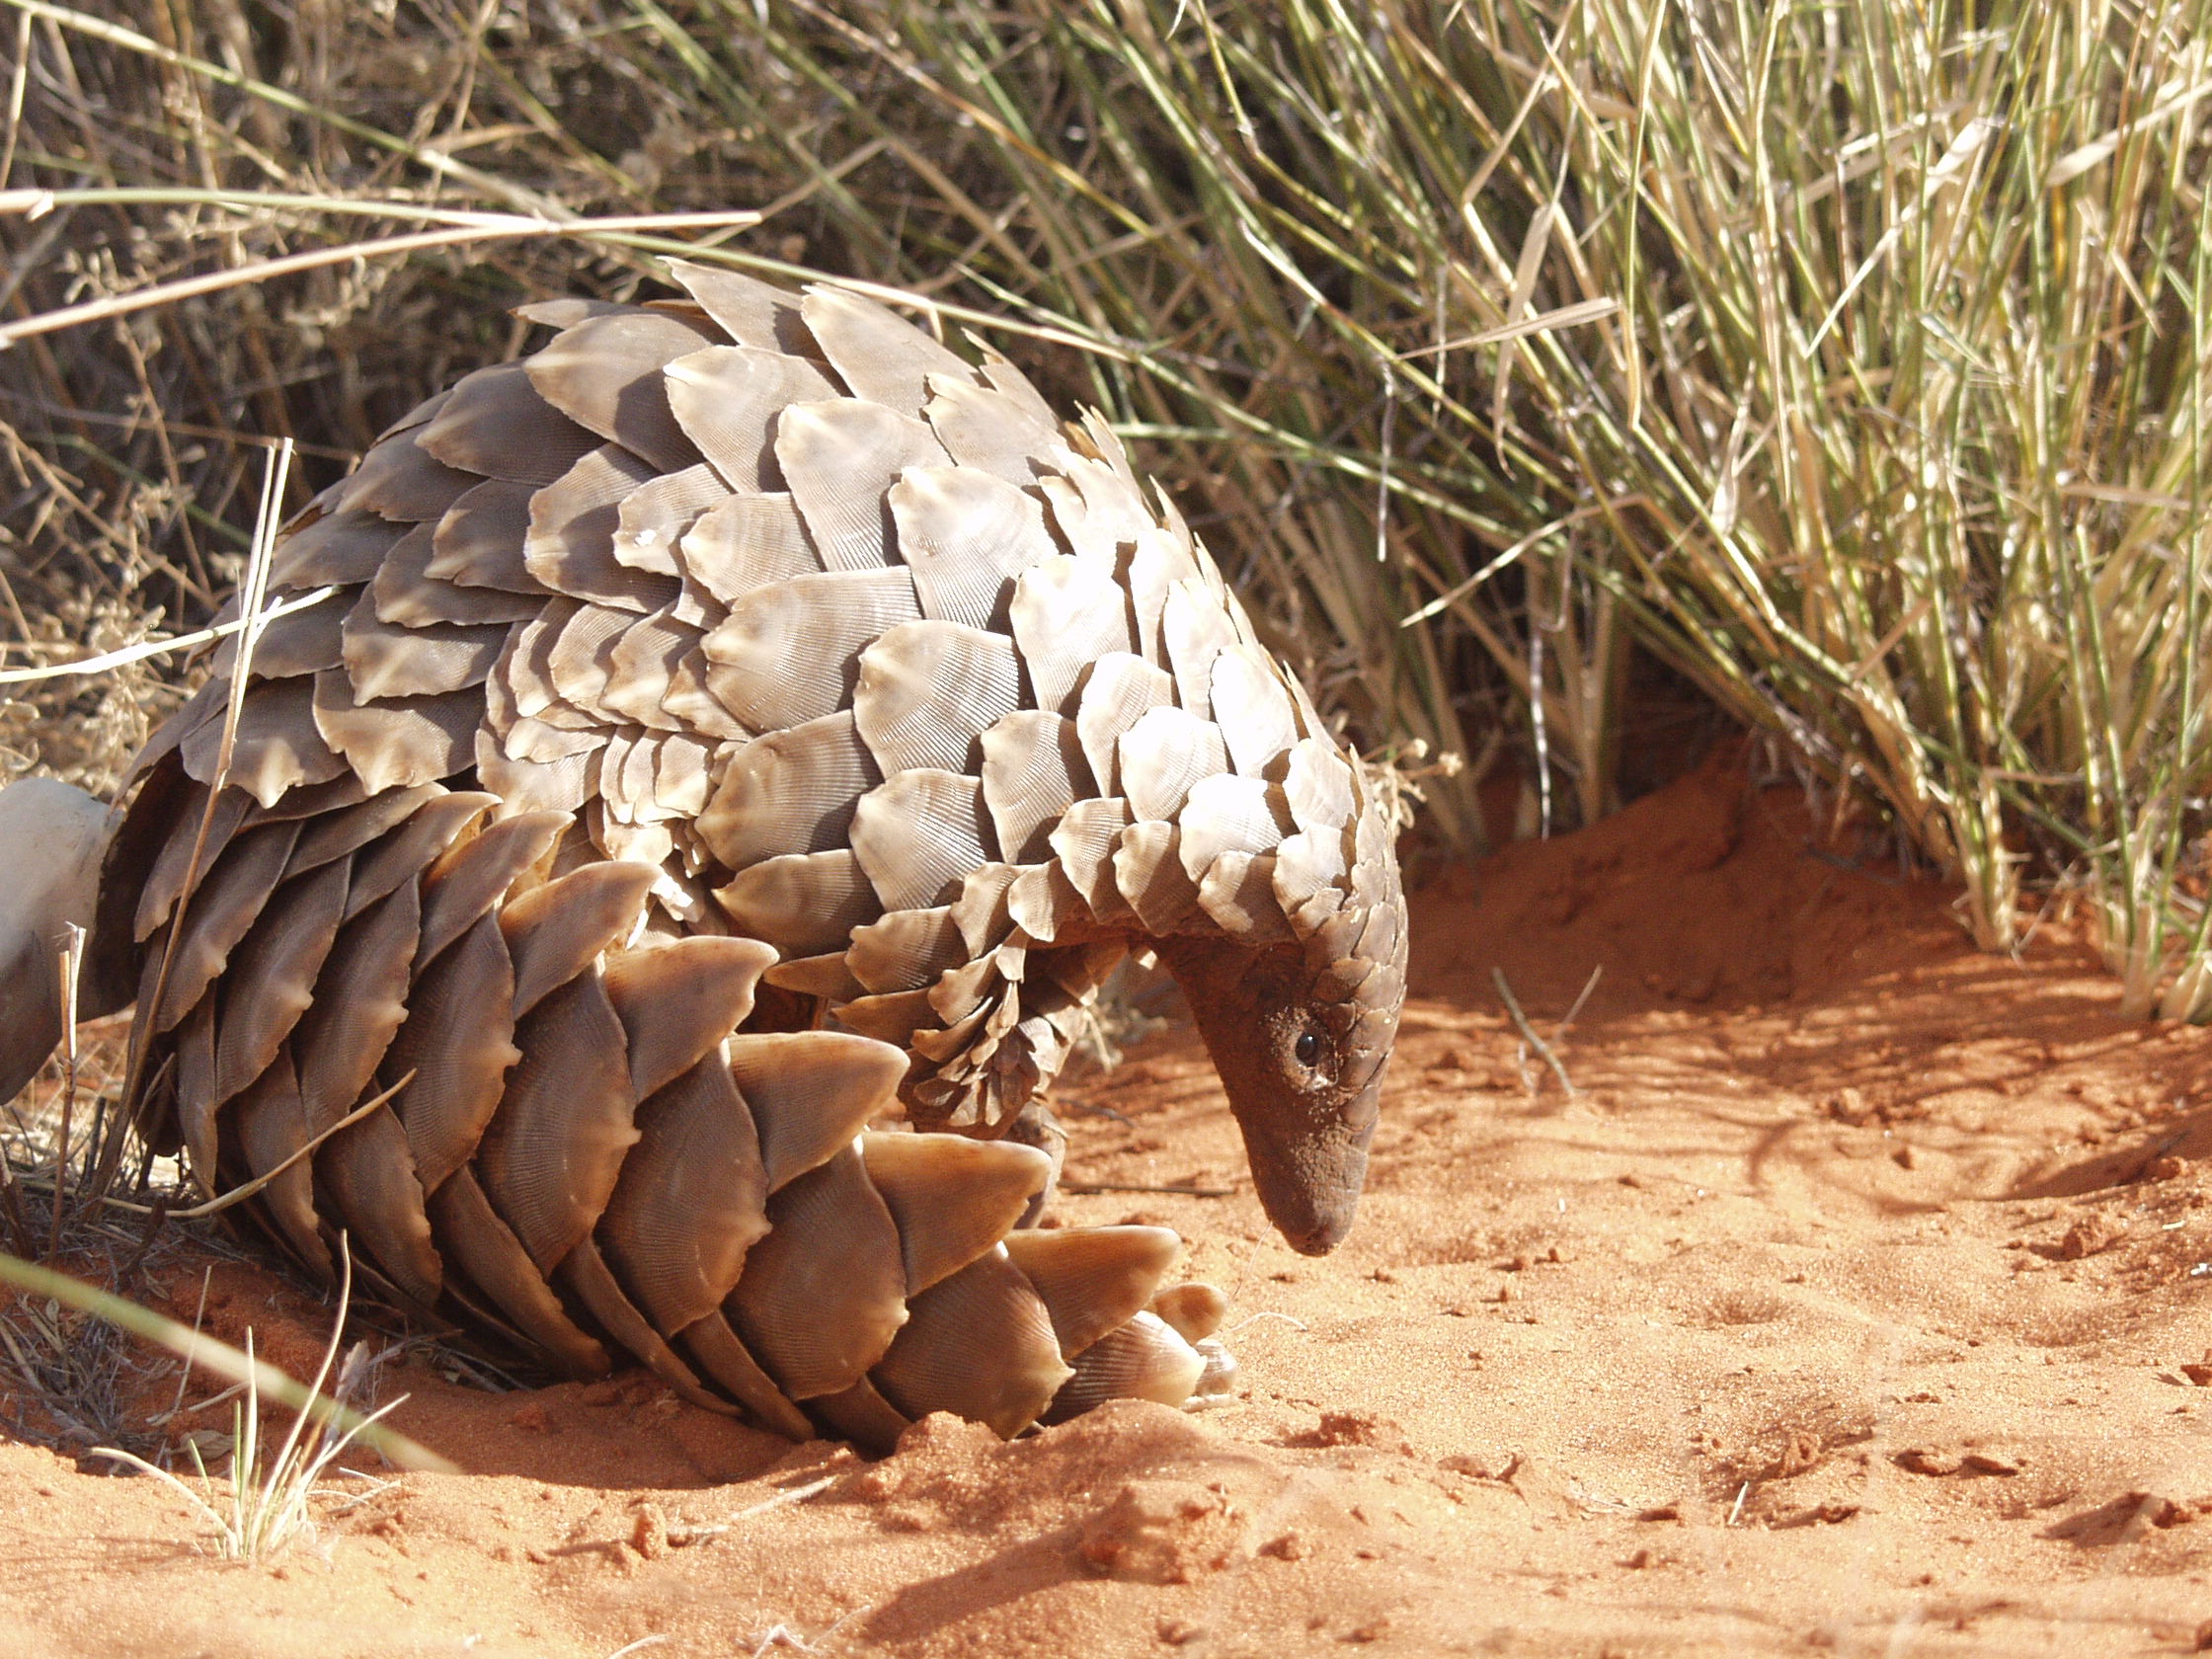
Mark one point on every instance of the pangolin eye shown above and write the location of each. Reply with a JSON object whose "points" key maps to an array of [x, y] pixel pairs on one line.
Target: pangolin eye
{"points": [[1307, 1049]]}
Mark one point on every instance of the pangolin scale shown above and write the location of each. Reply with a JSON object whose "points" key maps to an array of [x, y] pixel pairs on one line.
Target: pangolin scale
{"points": [[739, 720]]}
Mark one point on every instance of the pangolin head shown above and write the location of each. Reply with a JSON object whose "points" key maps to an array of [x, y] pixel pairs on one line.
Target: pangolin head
{"points": [[1301, 1033]]}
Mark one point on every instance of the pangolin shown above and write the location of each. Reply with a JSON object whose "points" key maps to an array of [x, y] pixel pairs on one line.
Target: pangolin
{"points": [[738, 719]]}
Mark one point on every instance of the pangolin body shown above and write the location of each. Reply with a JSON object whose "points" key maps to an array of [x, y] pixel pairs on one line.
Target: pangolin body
{"points": [[737, 718]]}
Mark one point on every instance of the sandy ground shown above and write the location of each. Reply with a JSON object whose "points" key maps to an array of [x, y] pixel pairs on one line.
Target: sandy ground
{"points": [[1856, 1301]]}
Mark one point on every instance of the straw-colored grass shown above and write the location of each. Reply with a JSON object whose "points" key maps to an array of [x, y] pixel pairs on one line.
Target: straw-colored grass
{"points": [[1910, 392], [263, 1502], [1850, 359]]}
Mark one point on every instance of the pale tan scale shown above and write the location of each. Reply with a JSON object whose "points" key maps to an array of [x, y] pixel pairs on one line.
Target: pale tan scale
{"points": [[881, 357], [728, 398], [570, 547], [220, 913], [906, 950], [271, 1134], [275, 981], [401, 481], [790, 653], [802, 903], [889, 1016], [966, 535], [652, 518], [810, 1093], [751, 311], [827, 978], [605, 375], [625, 785], [838, 457], [1194, 631], [1238, 891], [369, 1175], [385, 660], [524, 672], [480, 542], [1085, 841], [1318, 786], [1032, 772], [953, 1198], [682, 775], [692, 1198], [1093, 1280], [747, 542], [997, 372], [1148, 870], [560, 783], [1160, 760], [823, 1293], [1042, 901], [641, 664], [1226, 813], [937, 1361], [1120, 689], [790, 791], [496, 425], [1144, 1360], [690, 701], [982, 427], [927, 691], [345, 548], [918, 834], [454, 1049], [551, 1154], [1254, 709], [280, 744], [303, 642], [1067, 614], [979, 912], [401, 741], [1156, 562]]}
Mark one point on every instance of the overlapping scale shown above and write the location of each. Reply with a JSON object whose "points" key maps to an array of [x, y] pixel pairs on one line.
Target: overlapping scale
{"points": [[720, 669]]}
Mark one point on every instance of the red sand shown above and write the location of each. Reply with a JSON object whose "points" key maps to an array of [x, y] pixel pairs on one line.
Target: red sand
{"points": [[1857, 1302]]}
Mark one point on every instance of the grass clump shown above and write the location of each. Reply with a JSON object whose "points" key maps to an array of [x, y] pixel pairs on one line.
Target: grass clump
{"points": [[264, 1501], [1909, 391]]}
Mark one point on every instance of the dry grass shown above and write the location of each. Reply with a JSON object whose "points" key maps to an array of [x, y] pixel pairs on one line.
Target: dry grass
{"points": [[1850, 360]]}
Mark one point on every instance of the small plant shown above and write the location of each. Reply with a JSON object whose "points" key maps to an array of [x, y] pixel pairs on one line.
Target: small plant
{"points": [[265, 1501]]}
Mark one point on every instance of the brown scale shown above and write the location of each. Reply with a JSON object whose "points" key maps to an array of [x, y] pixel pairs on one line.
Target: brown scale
{"points": [[738, 726]]}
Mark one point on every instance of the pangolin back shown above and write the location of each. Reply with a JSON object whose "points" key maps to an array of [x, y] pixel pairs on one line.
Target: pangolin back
{"points": [[737, 718]]}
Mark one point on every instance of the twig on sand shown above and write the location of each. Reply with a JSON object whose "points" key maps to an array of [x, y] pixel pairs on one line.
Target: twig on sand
{"points": [[1560, 1031], [1139, 1187], [1528, 1033], [783, 1635]]}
